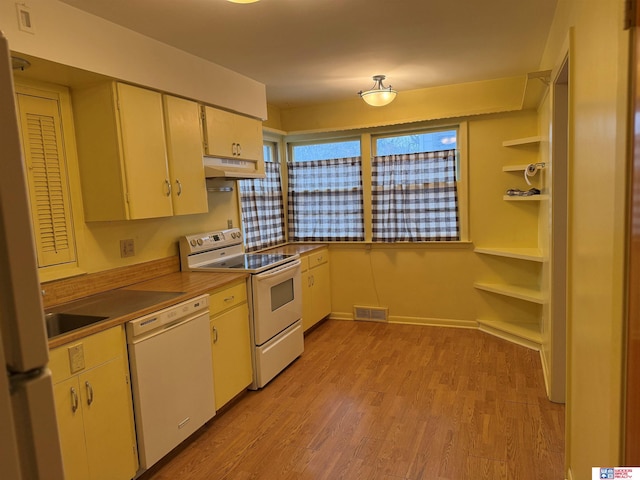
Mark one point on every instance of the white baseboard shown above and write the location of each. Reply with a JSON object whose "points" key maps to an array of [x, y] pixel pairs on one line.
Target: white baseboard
{"points": [[432, 322]]}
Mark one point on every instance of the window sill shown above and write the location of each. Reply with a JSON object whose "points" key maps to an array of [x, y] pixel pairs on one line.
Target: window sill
{"points": [[454, 245]]}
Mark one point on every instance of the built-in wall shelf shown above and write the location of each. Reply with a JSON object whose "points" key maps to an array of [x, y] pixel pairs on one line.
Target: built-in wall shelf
{"points": [[514, 291], [530, 198], [522, 253], [526, 334], [515, 168], [522, 141]]}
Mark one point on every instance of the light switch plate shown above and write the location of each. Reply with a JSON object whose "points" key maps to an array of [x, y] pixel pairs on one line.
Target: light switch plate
{"points": [[25, 21]]}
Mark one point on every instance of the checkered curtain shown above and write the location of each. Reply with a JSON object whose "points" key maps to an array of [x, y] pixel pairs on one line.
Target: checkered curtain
{"points": [[262, 209], [415, 197], [325, 200]]}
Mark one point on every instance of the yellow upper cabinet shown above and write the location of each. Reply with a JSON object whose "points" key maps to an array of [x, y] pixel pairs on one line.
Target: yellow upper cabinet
{"points": [[184, 150], [123, 154], [232, 136]]}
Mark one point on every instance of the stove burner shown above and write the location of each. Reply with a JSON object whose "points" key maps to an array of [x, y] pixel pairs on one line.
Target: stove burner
{"points": [[248, 261]]}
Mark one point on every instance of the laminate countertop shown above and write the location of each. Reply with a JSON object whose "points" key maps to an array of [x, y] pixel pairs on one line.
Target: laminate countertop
{"points": [[170, 290], [293, 248]]}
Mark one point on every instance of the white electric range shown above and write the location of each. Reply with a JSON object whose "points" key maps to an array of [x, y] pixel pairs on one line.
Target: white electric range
{"points": [[274, 292]]}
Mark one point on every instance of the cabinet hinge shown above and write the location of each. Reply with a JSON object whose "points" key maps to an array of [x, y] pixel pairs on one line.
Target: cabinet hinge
{"points": [[126, 196], [630, 14]]}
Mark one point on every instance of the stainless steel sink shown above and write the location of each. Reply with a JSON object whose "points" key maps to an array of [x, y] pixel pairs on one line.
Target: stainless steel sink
{"points": [[112, 304], [59, 323]]}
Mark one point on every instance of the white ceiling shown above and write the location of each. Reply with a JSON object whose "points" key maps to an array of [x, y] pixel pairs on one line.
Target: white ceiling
{"points": [[311, 51]]}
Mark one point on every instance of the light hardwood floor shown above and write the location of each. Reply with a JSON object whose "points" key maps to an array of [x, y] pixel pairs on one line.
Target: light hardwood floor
{"points": [[377, 401]]}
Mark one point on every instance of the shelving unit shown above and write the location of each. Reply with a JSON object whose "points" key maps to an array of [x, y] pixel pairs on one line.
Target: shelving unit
{"points": [[530, 198], [514, 291], [522, 141], [526, 334], [514, 168], [513, 302], [532, 254]]}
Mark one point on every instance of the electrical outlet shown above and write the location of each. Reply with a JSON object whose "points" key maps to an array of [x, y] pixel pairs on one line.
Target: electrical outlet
{"points": [[127, 248], [76, 358]]}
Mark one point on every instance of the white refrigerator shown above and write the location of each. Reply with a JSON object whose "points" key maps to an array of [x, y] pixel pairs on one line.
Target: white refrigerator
{"points": [[29, 442]]}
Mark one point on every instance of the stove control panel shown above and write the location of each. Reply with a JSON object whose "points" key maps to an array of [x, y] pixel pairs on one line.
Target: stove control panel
{"points": [[200, 242]]}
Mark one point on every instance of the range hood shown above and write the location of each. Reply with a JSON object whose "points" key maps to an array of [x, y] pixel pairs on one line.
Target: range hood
{"points": [[215, 167]]}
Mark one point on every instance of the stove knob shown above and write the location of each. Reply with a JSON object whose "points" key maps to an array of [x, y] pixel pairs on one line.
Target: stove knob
{"points": [[200, 242], [193, 242]]}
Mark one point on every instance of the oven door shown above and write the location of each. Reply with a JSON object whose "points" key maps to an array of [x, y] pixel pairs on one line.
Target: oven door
{"points": [[277, 300]]}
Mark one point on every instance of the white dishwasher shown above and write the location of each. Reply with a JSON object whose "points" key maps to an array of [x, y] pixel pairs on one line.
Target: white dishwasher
{"points": [[172, 376]]}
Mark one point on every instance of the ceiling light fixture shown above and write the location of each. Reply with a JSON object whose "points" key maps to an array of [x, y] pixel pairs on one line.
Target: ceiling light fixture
{"points": [[379, 95], [19, 63]]}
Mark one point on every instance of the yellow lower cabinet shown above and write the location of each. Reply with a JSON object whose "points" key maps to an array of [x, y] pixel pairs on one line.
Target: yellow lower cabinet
{"points": [[307, 296], [94, 408], [316, 288], [71, 429], [231, 342]]}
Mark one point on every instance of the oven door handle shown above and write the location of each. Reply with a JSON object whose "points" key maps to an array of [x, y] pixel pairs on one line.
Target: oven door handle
{"points": [[279, 270]]}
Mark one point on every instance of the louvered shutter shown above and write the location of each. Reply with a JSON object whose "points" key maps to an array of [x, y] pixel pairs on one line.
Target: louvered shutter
{"points": [[47, 178]]}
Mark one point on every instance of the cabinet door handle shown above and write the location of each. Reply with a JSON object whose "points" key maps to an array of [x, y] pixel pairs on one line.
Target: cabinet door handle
{"points": [[168, 184], [234, 149], [215, 335], [74, 400], [313, 280], [239, 150], [179, 187], [230, 299], [89, 392]]}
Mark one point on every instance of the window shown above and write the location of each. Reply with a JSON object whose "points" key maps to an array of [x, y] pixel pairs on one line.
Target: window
{"points": [[262, 205], [414, 188], [325, 201]]}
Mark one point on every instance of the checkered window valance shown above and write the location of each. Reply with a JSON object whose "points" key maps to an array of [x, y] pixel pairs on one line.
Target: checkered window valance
{"points": [[263, 209], [415, 197], [325, 200]]}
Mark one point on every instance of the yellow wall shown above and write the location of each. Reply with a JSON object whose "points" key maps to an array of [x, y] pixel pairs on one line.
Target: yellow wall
{"points": [[433, 284], [597, 174], [449, 101], [71, 37], [154, 238]]}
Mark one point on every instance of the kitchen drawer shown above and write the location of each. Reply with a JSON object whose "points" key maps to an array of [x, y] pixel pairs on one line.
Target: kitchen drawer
{"points": [[87, 353], [229, 297], [318, 258]]}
